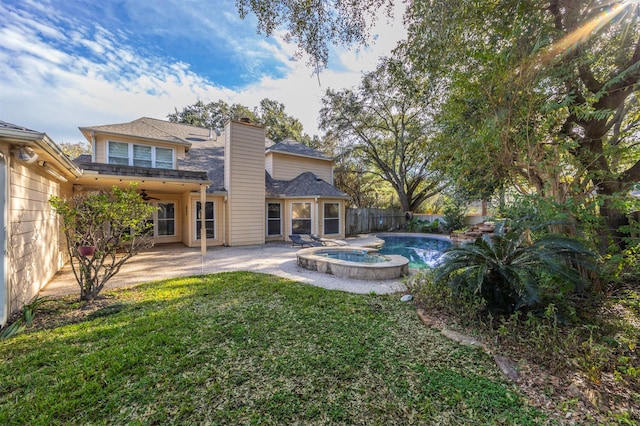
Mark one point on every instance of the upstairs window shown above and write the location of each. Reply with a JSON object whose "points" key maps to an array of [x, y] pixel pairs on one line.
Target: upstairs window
{"points": [[128, 154], [119, 153], [164, 158], [142, 156]]}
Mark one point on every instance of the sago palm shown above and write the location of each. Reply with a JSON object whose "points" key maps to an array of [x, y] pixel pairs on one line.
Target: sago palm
{"points": [[506, 269]]}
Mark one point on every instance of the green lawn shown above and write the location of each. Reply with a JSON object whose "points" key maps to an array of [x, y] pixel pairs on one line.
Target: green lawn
{"points": [[245, 348]]}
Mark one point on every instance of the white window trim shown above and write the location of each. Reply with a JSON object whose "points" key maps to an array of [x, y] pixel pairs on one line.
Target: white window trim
{"points": [[268, 219], [156, 219], [153, 153], [195, 220], [291, 218], [324, 218]]}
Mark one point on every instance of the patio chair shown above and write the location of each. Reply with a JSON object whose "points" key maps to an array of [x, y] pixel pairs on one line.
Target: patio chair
{"points": [[325, 241], [297, 240]]}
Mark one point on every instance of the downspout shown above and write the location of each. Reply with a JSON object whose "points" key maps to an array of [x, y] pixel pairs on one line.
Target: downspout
{"points": [[5, 300], [315, 223], [203, 223], [93, 146], [224, 222]]}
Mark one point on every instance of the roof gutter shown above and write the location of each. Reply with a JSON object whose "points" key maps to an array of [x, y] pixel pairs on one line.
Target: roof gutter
{"points": [[43, 142], [316, 197], [91, 174], [271, 151]]}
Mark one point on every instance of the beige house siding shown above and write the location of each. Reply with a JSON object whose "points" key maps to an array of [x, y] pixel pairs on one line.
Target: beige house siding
{"points": [[268, 164], [287, 167], [35, 245], [245, 183], [101, 146]]}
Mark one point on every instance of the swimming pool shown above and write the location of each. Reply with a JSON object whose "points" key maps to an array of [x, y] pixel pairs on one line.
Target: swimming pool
{"points": [[353, 262], [422, 251], [353, 255]]}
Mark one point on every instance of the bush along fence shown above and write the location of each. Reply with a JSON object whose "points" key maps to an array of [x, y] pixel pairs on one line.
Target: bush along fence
{"points": [[362, 221]]}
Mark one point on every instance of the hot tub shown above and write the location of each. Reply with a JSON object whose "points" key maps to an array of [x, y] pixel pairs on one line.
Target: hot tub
{"points": [[353, 262]]}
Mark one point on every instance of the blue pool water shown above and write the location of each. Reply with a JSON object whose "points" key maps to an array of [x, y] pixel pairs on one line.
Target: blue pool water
{"points": [[359, 256], [422, 251]]}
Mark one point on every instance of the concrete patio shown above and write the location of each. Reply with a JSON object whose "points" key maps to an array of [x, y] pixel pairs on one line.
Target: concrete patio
{"points": [[176, 260]]}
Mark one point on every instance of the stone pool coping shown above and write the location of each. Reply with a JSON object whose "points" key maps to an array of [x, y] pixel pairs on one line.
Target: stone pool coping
{"points": [[397, 266], [442, 237]]}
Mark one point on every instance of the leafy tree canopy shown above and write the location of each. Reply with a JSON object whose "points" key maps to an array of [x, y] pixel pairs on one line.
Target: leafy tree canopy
{"points": [[73, 150], [270, 113], [543, 96], [314, 25], [386, 124]]}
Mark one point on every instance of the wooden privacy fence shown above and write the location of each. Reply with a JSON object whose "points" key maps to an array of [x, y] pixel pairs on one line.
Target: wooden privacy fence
{"points": [[362, 221]]}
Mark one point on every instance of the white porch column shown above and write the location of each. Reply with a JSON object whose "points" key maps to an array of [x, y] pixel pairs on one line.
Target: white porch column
{"points": [[203, 223]]}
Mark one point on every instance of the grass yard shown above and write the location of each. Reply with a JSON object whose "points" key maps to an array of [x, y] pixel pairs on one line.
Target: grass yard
{"points": [[245, 348]]}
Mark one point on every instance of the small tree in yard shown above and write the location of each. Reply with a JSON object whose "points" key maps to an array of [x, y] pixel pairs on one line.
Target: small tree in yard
{"points": [[112, 225]]}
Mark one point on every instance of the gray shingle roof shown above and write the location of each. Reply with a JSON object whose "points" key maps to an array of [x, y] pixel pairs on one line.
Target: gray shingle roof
{"points": [[5, 125], [289, 146], [305, 185], [206, 154], [151, 128]]}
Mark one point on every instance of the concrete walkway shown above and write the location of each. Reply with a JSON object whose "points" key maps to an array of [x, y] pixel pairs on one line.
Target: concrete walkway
{"points": [[176, 260]]}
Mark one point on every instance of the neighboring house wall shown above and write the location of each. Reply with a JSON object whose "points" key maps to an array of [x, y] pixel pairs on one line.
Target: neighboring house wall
{"points": [[35, 245], [286, 166], [244, 181]]}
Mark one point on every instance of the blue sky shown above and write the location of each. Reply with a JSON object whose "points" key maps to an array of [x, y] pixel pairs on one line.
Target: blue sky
{"points": [[71, 63]]}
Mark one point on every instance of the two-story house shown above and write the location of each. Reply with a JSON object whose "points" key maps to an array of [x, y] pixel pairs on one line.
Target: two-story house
{"points": [[233, 188]]}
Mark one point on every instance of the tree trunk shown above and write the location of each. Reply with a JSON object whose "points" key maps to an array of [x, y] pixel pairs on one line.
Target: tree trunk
{"points": [[614, 219]]}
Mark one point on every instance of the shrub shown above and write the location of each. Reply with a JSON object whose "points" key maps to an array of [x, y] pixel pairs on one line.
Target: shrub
{"points": [[506, 269], [113, 223], [453, 214], [25, 320]]}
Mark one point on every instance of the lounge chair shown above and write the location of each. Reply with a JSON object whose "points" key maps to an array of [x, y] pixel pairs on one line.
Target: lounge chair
{"points": [[297, 240], [325, 241]]}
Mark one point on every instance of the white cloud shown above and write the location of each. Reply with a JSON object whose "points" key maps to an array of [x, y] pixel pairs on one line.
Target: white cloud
{"points": [[48, 88]]}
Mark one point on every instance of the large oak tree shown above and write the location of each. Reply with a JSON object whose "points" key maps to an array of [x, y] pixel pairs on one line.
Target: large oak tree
{"points": [[386, 125], [543, 95]]}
